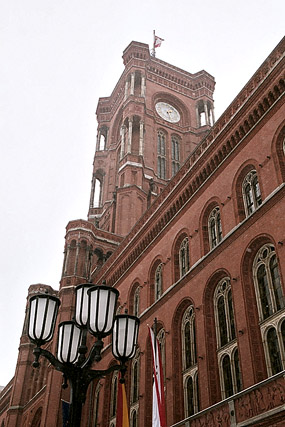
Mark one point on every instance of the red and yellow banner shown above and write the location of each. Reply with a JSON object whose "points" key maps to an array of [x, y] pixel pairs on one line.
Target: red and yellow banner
{"points": [[122, 418]]}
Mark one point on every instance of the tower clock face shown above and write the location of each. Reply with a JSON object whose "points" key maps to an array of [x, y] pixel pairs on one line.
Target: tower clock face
{"points": [[167, 112]]}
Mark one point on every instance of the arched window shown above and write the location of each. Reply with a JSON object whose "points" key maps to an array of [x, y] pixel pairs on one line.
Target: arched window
{"points": [[134, 419], [175, 155], [215, 227], [37, 418], [136, 310], [98, 193], [114, 394], [251, 192], [189, 357], [224, 314], [227, 376], [96, 404], [102, 138], [135, 380], [184, 263], [274, 351], [271, 307], [161, 341], [161, 155], [158, 282], [189, 362], [227, 351], [134, 398], [268, 288]]}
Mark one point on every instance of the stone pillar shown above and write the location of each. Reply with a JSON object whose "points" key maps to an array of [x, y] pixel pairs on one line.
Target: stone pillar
{"points": [[126, 90], [206, 113], [132, 90], [129, 150], [143, 86], [67, 253], [76, 258], [141, 138], [122, 132], [98, 140], [64, 263], [198, 117], [91, 203], [213, 115]]}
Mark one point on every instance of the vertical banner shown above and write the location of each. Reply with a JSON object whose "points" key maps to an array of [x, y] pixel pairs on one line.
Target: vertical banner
{"points": [[158, 401], [122, 416]]}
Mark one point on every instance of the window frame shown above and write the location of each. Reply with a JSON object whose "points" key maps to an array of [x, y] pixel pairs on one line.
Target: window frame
{"points": [[215, 224], [184, 258], [251, 192]]}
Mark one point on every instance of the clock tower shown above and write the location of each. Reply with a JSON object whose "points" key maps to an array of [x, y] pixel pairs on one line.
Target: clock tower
{"points": [[154, 118]]}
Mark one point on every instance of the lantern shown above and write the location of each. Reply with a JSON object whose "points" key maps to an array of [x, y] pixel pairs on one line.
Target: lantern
{"points": [[42, 318]]}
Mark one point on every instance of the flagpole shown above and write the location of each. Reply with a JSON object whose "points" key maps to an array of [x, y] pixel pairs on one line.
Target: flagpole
{"points": [[155, 333], [153, 50]]}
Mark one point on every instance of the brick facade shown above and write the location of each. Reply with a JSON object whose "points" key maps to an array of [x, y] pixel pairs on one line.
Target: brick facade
{"points": [[225, 204]]}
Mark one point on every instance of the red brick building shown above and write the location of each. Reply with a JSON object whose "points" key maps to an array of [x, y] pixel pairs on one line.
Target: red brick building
{"points": [[186, 220]]}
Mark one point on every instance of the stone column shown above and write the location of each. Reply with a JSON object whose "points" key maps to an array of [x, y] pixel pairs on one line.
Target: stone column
{"points": [[122, 132], [206, 113], [141, 138], [213, 115], [98, 140], [198, 117], [126, 90], [76, 258], [65, 266], [143, 86], [129, 150], [132, 90], [64, 263], [91, 204]]}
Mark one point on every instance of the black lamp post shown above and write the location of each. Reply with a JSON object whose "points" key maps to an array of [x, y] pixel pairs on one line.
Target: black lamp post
{"points": [[94, 312]]}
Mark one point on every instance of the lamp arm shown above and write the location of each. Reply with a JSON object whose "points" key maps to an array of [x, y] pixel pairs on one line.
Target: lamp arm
{"points": [[94, 354], [100, 373], [38, 351]]}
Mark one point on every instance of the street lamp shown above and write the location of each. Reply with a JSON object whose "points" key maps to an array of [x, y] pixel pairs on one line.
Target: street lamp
{"points": [[94, 312]]}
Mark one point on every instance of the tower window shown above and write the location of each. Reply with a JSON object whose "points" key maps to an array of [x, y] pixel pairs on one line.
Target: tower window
{"points": [[175, 155], [161, 155]]}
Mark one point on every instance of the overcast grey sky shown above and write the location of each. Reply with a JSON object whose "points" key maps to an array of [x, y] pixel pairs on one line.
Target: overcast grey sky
{"points": [[57, 58]]}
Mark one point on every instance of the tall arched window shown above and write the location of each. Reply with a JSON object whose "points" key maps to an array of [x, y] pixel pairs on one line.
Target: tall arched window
{"points": [[224, 313], [175, 155], [134, 419], [158, 282], [215, 227], [96, 404], [98, 193], [136, 309], [184, 263], [114, 394], [227, 351], [268, 288], [189, 362], [161, 155], [134, 398], [251, 192], [271, 307]]}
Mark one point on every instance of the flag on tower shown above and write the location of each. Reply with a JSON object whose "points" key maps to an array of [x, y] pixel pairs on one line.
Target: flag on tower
{"points": [[157, 41], [122, 416], [158, 401]]}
